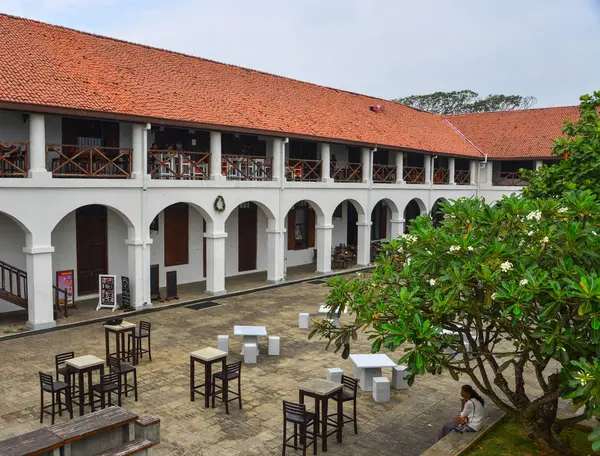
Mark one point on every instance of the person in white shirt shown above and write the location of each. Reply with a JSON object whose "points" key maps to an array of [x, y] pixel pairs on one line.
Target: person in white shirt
{"points": [[471, 416]]}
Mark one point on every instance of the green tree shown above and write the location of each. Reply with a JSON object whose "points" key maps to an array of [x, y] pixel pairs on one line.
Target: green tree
{"points": [[580, 149], [464, 101], [495, 294]]}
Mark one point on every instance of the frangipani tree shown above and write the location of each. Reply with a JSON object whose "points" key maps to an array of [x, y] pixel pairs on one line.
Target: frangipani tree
{"points": [[496, 293]]}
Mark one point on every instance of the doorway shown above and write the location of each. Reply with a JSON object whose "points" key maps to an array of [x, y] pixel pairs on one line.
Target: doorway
{"points": [[247, 236], [92, 247]]}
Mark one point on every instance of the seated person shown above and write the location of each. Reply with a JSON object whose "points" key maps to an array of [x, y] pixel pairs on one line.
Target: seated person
{"points": [[471, 416]]}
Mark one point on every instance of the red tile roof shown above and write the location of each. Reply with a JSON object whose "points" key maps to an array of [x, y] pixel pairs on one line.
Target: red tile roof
{"points": [[46, 65], [515, 134]]}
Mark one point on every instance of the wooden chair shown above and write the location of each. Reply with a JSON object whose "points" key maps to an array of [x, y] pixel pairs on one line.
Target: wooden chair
{"points": [[302, 420], [348, 394], [55, 388], [143, 332], [232, 371], [109, 384], [124, 369], [63, 369]]}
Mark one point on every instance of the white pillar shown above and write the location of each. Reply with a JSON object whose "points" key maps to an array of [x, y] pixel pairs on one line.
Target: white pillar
{"points": [[277, 146], [137, 140], [428, 168], [215, 156], [215, 263], [451, 167], [138, 270], [275, 254], [538, 164], [40, 295], [489, 173], [324, 235], [363, 255], [37, 147], [399, 167], [366, 164], [325, 149], [474, 168], [397, 228]]}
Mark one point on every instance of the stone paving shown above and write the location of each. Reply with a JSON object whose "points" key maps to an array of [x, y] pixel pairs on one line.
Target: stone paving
{"points": [[407, 425]]}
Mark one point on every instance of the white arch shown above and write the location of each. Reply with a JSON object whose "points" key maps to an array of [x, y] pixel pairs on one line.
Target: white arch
{"points": [[318, 210], [203, 212], [357, 205], [18, 222], [420, 203], [391, 204], [54, 223], [268, 212]]}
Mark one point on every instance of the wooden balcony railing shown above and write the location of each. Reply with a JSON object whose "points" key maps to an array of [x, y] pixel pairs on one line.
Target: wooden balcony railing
{"points": [[178, 164], [303, 170], [88, 161], [13, 284], [346, 172], [441, 176], [511, 178], [462, 177], [384, 173], [14, 159], [414, 175], [247, 167]]}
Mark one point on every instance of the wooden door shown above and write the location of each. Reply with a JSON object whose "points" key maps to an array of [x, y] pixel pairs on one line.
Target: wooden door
{"points": [[247, 237], [383, 221], [352, 234], [92, 247]]}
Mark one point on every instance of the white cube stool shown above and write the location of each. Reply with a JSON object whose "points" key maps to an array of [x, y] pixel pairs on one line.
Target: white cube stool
{"points": [[357, 372], [334, 374], [250, 353], [274, 345], [399, 376], [381, 389], [303, 320], [223, 343]]}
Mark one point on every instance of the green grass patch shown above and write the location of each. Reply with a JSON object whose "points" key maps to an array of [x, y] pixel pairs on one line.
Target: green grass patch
{"points": [[508, 438]]}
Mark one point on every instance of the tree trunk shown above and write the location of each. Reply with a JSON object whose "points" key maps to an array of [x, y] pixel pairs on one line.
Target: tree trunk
{"points": [[539, 425]]}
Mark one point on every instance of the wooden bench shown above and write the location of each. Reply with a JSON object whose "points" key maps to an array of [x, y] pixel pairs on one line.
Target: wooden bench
{"points": [[134, 447], [31, 444]]}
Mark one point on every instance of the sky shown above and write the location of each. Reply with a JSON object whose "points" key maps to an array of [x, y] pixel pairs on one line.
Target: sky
{"points": [[548, 49]]}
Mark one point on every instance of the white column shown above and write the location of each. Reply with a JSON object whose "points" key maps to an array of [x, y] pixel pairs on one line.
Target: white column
{"points": [[399, 167], [277, 146], [451, 167], [324, 235], [137, 140], [428, 168], [474, 169], [215, 156], [275, 254], [538, 164], [366, 164], [37, 147], [363, 255], [40, 295], [489, 173], [325, 149], [215, 263], [397, 228], [138, 270]]}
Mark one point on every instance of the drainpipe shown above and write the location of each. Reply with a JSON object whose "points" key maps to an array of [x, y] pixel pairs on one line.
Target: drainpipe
{"points": [[481, 166], [432, 171], [369, 208], [281, 189], [143, 208]]}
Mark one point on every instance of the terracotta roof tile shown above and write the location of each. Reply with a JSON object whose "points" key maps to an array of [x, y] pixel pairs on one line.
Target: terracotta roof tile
{"points": [[515, 134], [54, 66]]}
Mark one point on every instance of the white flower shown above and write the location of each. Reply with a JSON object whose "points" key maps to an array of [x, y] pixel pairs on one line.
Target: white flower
{"points": [[594, 233], [506, 266], [453, 248], [545, 240], [562, 210], [530, 233], [493, 296], [432, 282], [408, 261], [400, 249], [521, 242], [534, 215], [523, 282], [470, 248]]}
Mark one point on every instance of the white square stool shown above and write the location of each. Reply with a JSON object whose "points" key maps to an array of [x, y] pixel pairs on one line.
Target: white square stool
{"points": [[303, 320], [334, 374], [274, 345], [250, 353], [381, 389], [223, 343], [399, 376]]}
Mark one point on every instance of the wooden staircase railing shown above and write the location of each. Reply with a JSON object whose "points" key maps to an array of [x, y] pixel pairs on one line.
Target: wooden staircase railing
{"points": [[13, 284], [57, 291]]}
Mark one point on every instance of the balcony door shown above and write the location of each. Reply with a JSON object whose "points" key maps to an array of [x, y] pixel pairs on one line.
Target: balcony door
{"points": [[247, 237], [92, 247]]}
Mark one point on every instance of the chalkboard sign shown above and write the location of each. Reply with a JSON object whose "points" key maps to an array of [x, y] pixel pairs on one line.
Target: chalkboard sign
{"points": [[125, 293], [172, 285], [108, 296], [154, 286]]}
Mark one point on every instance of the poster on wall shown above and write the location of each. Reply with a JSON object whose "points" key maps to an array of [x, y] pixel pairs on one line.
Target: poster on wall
{"points": [[65, 281], [107, 298]]}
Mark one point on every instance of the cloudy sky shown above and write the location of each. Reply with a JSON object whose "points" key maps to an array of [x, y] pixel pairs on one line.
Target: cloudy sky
{"points": [[386, 48]]}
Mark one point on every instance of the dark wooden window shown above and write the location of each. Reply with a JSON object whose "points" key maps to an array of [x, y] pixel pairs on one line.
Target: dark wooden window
{"points": [[176, 234]]}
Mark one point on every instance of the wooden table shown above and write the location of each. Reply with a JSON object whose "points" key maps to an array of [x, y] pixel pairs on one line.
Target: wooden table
{"points": [[36, 442], [81, 365], [323, 390], [120, 331], [206, 357]]}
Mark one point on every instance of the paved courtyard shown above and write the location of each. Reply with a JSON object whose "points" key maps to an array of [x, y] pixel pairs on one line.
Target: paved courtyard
{"points": [[407, 425]]}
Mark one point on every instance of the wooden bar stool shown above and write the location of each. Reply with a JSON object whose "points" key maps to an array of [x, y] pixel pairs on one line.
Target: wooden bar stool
{"points": [[143, 332], [300, 418], [231, 372], [68, 375], [124, 369], [55, 388], [348, 394], [109, 384]]}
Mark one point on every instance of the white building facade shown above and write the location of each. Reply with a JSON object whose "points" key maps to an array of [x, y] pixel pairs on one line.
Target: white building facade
{"points": [[100, 196]]}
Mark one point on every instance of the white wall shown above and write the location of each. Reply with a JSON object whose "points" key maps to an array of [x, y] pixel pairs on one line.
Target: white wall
{"points": [[339, 233], [12, 241], [191, 272]]}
